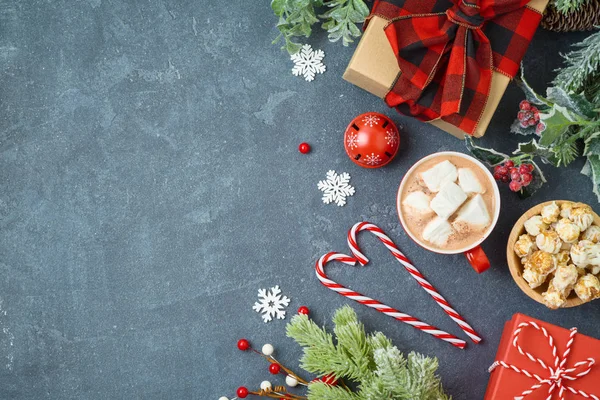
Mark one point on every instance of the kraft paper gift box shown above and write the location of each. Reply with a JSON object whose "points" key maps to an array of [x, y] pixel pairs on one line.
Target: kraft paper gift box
{"points": [[374, 68]]}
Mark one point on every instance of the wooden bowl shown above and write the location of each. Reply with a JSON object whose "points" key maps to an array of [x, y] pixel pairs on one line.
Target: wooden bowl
{"points": [[514, 261]]}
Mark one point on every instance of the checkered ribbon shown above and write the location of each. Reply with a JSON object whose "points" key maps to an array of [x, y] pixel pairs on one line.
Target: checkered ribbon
{"points": [[558, 375], [447, 51]]}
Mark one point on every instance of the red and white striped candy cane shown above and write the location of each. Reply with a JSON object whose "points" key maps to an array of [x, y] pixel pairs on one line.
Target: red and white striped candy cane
{"points": [[369, 302], [402, 259]]}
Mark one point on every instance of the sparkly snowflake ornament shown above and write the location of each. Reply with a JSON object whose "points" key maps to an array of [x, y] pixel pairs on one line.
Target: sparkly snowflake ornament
{"points": [[336, 188], [307, 62], [271, 304]]}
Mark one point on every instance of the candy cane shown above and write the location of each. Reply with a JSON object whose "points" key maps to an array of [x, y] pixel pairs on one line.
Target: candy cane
{"points": [[402, 259], [369, 302]]}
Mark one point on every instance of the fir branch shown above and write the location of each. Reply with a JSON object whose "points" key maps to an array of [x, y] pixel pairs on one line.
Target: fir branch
{"points": [[352, 341], [569, 6], [582, 70], [296, 18], [323, 391], [342, 18]]}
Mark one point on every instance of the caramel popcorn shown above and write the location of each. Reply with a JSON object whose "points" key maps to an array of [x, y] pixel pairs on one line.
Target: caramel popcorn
{"points": [[550, 213], [564, 279], [553, 298], [592, 234], [582, 217], [540, 262], [548, 241], [524, 246], [567, 231], [561, 247], [534, 225], [588, 287]]}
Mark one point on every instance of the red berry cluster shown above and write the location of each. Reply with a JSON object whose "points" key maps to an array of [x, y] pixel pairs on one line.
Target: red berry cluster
{"points": [[518, 177], [529, 115]]}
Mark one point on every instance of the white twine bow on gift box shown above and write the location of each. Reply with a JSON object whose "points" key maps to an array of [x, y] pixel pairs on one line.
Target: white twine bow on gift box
{"points": [[557, 374]]}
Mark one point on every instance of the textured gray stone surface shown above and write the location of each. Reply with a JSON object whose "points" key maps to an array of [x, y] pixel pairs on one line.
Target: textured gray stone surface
{"points": [[150, 184]]}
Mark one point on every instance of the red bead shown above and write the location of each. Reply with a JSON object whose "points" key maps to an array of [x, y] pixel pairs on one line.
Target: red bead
{"points": [[371, 140], [243, 344], [242, 392], [274, 368], [303, 310], [304, 148]]}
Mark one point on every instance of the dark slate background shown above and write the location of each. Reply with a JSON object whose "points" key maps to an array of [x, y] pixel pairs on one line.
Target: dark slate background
{"points": [[150, 183]]}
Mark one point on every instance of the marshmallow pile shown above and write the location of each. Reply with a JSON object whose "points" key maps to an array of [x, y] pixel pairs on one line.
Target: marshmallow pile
{"points": [[561, 246], [452, 196]]}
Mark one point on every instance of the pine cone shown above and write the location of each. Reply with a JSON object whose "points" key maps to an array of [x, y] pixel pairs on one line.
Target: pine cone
{"points": [[583, 19]]}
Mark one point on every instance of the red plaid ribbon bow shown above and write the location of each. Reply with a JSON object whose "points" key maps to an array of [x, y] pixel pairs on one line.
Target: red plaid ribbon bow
{"points": [[558, 374], [447, 50]]}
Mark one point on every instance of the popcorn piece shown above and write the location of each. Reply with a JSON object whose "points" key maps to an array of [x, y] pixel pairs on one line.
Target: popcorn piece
{"points": [[592, 234], [553, 298], [579, 253], [541, 262], [474, 212], [438, 231], [565, 210], [533, 278], [566, 246], [565, 278], [562, 258], [587, 287], [549, 242], [567, 230], [441, 173], [582, 216], [468, 182], [550, 213], [524, 246], [418, 202], [594, 269], [447, 201], [535, 225]]}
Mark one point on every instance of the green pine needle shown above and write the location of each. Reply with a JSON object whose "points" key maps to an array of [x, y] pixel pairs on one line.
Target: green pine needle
{"points": [[568, 6], [372, 362]]}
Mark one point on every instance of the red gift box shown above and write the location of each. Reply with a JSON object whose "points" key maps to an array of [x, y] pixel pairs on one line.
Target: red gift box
{"points": [[537, 360]]}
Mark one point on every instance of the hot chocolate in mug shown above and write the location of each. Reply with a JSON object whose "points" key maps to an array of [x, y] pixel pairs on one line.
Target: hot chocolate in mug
{"points": [[449, 203]]}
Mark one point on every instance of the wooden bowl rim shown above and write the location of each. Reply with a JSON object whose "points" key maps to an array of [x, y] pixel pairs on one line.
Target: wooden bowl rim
{"points": [[514, 262]]}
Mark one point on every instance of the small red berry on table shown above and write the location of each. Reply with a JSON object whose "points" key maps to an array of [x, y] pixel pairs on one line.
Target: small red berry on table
{"points": [[525, 105], [303, 310], [243, 344], [242, 392], [304, 148], [274, 368], [515, 186]]}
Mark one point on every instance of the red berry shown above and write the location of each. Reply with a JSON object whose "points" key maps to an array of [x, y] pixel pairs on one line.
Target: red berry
{"points": [[509, 164], [304, 148], [541, 127], [522, 115], [515, 186], [498, 176], [303, 310], [526, 178], [274, 368], [525, 105], [515, 176], [243, 344], [505, 179], [531, 121], [525, 168], [501, 170], [242, 392]]}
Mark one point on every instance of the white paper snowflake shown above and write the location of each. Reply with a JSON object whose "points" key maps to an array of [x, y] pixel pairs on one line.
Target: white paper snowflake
{"points": [[371, 120], [372, 159], [271, 304], [336, 188], [352, 141], [391, 137], [307, 62]]}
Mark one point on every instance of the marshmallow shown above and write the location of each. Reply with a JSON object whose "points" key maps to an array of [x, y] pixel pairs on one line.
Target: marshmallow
{"points": [[438, 175], [447, 201]]}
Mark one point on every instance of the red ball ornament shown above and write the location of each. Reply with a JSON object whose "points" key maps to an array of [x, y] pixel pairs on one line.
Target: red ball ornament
{"points": [[371, 140], [243, 344], [274, 368], [304, 148], [303, 310], [242, 392]]}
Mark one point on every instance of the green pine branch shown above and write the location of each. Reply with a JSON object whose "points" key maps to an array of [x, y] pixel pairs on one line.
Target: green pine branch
{"points": [[569, 6], [582, 70], [371, 361]]}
